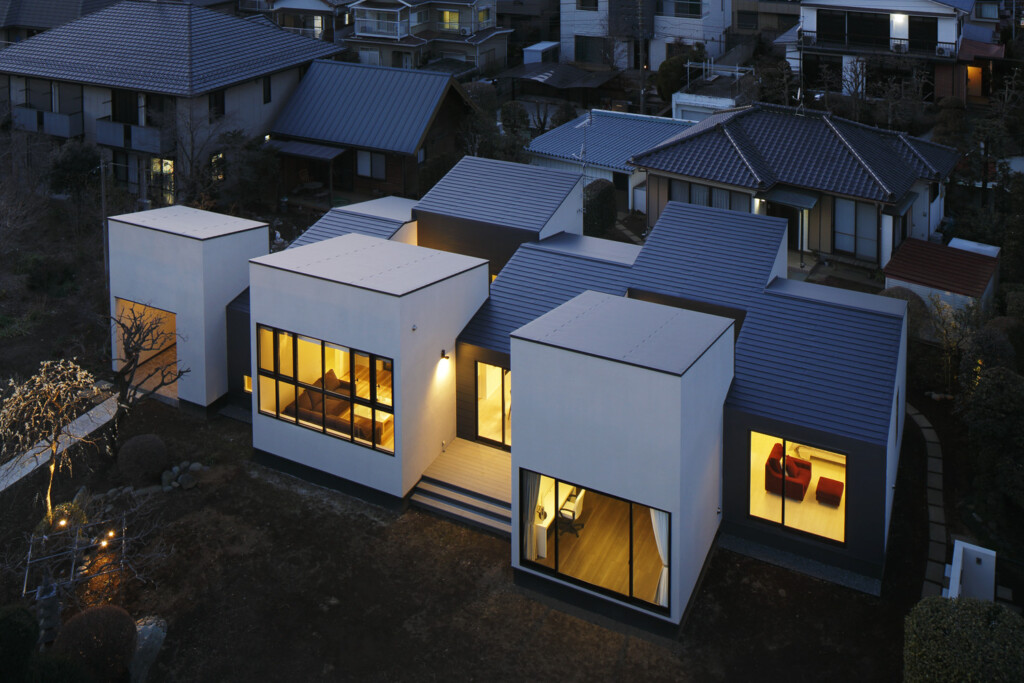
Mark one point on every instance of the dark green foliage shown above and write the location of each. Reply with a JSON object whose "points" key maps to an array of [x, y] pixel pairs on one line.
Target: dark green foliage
{"points": [[951, 124], [74, 169], [962, 640], [19, 634], [599, 210], [69, 511], [1015, 305], [100, 638], [985, 349], [142, 459], [566, 112], [246, 176], [514, 119], [918, 315], [434, 169], [672, 72], [995, 431], [54, 276]]}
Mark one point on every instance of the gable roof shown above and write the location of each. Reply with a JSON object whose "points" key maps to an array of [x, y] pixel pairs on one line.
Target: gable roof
{"points": [[942, 267], [808, 355], [500, 192], [337, 222], [43, 15], [371, 107], [171, 48], [762, 145], [610, 138]]}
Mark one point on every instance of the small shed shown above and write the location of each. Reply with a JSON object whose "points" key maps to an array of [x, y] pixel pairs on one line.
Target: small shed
{"points": [[959, 274], [546, 51]]}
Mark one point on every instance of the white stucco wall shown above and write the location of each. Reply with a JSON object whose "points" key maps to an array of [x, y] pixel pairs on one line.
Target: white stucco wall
{"points": [[195, 280], [373, 322], [568, 217], [655, 440], [885, 240]]}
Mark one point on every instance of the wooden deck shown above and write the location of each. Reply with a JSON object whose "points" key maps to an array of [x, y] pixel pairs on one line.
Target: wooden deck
{"points": [[476, 468]]}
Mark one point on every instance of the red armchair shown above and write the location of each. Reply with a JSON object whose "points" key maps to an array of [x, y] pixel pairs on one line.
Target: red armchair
{"points": [[797, 476]]}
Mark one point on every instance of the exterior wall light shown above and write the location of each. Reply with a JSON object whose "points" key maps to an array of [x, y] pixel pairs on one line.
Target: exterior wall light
{"points": [[444, 354]]}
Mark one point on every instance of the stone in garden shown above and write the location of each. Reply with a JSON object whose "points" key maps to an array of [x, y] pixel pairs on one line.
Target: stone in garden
{"points": [[195, 467], [187, 481], [183, 465], [80, 496], [175, 483], [166, 478], [155, 488], [175, 470], [113, 492], [166, 489], [142, 458], [151, 634]]}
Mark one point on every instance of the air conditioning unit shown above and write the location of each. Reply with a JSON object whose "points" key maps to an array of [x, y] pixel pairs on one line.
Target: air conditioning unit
{"points": [[899, 48], [464, 31], [943, 51]]}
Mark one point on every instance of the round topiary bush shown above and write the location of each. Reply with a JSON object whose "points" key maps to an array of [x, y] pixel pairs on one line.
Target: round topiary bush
{"points": [[142, 458], [962, 640], [102, 639], [19, 633]]}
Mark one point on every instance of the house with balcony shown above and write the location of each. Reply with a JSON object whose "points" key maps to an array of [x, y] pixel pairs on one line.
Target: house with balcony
{"points": [[21, 19], [459, 37], [950, 44], [328, 20], [849, 192], [625, 34], [155, 84]]}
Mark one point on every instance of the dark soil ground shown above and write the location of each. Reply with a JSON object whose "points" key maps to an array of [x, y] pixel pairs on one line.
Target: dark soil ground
{"points": [[271, 578]]}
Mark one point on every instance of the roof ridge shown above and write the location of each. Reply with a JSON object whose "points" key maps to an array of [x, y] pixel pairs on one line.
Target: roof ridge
{"points": [[903, 138], [743, 157], [827, 118]]}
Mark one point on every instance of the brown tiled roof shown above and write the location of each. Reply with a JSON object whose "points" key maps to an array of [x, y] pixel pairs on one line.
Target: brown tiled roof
{"points": [[942, 267]]}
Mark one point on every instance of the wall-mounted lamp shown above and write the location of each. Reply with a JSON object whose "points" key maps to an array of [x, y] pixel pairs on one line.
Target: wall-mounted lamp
{"points": [[444, 354]]}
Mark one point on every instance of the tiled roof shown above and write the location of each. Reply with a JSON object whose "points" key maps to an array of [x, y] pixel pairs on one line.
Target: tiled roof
{"points": [[500, 192], [761, 145], [611, 138], [43, 15], [338, 222], [942, 267], [808, 355], [162, 47], [371, 107]]}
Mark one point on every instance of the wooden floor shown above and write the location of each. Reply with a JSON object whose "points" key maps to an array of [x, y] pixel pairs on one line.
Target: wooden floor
{"points": [[475, 467], [600, 554], [808, 515]]}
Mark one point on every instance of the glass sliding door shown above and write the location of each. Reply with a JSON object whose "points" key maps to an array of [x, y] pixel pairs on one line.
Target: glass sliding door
{"points": [[494, 403], [595, 539]]}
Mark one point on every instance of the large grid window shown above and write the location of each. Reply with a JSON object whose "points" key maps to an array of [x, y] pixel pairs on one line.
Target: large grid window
{"points": [[325, 387]]}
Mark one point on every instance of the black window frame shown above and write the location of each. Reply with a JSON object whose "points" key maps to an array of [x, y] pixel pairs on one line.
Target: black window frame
{"points": [[374, 156], [268, 94], [524, 561], [352, 397], [215, 102], [586, 5]]}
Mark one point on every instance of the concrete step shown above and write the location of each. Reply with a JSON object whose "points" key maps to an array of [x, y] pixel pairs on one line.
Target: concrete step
{"points": [[461, 512]]}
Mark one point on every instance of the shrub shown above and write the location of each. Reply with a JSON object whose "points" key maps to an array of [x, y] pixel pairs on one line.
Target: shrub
{"points": [[19, 634], [100, 638], [599, 211], [142, 458], [1015, 305], [986, 348], [992, 412], [1013, 328], [565, 113], [514, 119], [70, 511], [962, 640]]}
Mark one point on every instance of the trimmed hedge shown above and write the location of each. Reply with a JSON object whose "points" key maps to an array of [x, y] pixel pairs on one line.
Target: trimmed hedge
{"points": [[962, 640], [102, 639], [19, 634], [143, 458]]}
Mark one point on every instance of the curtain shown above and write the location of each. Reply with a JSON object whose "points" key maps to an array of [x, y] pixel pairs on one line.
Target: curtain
{"points": [[531, 493], [719, 198], [659, 520]]}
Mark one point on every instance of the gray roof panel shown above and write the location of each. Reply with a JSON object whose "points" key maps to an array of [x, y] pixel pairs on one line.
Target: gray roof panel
{"points": [[161, 47], [337, 222], [357, 105]]}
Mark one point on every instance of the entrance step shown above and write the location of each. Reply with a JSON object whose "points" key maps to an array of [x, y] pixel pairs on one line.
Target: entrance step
{"points": [[459, 503]]}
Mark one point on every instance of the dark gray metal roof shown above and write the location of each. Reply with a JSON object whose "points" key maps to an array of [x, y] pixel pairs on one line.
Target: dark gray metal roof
{"points": [[806, 354], [500, 192], [371, 107], [761, 145], [305, 150], [37, 14], [339, 221], [161, 47], [611, 138]]}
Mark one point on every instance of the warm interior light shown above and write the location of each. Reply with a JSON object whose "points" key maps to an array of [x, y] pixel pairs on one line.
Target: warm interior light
{"points": [[63, 522], [247, 384]]}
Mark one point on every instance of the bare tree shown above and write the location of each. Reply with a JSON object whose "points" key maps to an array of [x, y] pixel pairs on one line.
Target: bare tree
{"points": [[144, 365], [40, 410], [854, 82], [953, 326]]}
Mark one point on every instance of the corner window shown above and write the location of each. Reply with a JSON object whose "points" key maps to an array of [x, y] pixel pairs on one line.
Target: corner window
{"points": [[598, 540], [267, 94], [326, 387], [370, 165], [798, 486], [216, 104], [483, 17]]}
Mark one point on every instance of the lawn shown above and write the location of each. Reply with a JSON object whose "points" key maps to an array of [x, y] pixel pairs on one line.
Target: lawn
{"points": [[271, 578]]}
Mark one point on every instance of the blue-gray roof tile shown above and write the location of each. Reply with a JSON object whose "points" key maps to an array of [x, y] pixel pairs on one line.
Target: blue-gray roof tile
{"points": [[341, 222]]}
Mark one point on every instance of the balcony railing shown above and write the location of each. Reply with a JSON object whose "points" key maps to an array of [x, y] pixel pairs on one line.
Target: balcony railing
{"points": [[382, 28], [150, 139], [51, 123], [900, 46], [255, 5]]}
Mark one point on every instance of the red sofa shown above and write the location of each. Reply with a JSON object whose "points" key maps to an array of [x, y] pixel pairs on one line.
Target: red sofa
{"points": [[797, 476]]}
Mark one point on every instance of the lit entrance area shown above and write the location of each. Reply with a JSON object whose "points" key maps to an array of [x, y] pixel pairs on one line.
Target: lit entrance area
{"points": [[153, 332], [494, 403], [593, 538], [798, 486]]}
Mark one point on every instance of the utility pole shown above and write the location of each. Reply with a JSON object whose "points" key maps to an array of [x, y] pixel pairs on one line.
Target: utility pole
{"points": [[103, 217]]}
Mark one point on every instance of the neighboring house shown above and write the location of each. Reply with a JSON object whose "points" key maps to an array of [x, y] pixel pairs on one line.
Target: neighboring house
{"points": [[769, 18], [530, 20], [458, 36], [667, 396], [156, 84], [369, 129], [328, 20], [848, 48], [719, 87], [600, 144], [631, 35], [849, 191]]}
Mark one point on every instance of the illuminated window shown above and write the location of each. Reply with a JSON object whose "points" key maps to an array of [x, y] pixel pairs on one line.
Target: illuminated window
{"points": [[484, 16], [494, 403], [326, 387], [247, 384], [798, 486], [449, 20]]}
